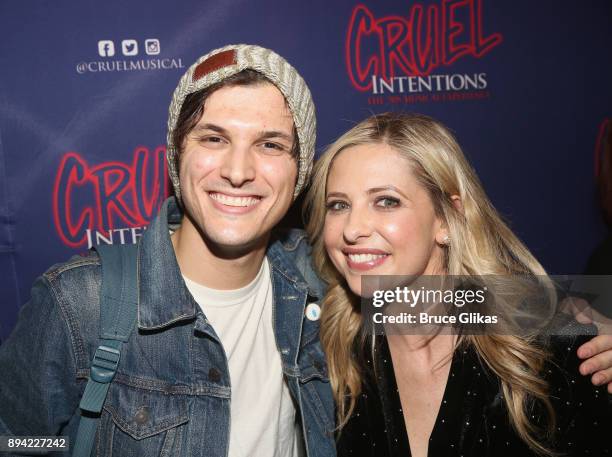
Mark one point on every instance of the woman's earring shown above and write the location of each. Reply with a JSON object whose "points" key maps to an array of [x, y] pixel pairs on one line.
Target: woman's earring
{"points": [[446, 240]]}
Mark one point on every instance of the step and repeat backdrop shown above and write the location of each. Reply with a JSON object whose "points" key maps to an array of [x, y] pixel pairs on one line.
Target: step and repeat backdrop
{"points": [[85, 88]]}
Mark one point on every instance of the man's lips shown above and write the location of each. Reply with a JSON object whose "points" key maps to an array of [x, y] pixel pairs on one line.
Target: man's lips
{"points": [[234, 203], [364, 258]]}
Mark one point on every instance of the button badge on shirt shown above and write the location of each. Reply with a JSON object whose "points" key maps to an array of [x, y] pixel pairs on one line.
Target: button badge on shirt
{"points": [[313, 311]]}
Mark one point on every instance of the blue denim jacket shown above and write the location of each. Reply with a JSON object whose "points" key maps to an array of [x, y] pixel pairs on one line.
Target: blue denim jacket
{"points": [[171, 395]]}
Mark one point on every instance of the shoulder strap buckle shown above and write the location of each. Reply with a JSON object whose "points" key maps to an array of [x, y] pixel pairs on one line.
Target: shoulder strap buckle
{"points": [[104, 364]]}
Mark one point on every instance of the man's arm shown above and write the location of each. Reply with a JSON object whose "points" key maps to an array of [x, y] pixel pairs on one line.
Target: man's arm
{"points": [[38, 385], [584, 413]]}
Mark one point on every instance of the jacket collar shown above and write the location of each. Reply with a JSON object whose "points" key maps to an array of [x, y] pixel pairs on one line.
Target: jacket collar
{"points": [[163, 296], [280, 262]]}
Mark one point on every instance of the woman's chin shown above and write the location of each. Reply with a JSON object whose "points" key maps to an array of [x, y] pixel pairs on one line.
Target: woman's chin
{"points": [[355, 286]]}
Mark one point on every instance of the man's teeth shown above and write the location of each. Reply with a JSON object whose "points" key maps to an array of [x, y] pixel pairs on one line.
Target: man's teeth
{"points": [[234, 201], [362, 258]]}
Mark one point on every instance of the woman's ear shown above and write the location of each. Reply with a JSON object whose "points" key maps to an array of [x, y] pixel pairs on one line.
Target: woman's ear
{"points": [[457, 203], [442, 237]]}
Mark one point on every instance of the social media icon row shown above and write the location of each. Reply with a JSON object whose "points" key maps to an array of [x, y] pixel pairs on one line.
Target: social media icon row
{"points": [[106, 48]]}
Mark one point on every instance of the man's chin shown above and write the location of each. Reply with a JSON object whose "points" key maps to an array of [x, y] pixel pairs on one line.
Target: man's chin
{"points": [[236, 245]]}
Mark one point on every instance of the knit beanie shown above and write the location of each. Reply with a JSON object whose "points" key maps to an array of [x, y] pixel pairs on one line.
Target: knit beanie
{"points": [[224, 62]]}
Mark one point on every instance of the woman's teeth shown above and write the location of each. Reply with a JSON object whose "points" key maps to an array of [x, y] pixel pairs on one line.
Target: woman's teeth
{"points": [[363, 258]]}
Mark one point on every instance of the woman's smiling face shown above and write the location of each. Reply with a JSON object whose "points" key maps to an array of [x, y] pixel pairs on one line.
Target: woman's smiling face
{"points": [[380, 220]]}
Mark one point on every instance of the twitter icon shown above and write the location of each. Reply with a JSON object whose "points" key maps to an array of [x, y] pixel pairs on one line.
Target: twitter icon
{"points": [[129, 47]]}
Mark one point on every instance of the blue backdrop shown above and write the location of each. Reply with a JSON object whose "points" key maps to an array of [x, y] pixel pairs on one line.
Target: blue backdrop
{"points": [[85, 86]]}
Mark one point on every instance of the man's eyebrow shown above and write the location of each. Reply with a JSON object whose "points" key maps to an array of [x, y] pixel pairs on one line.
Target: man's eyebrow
{"points": [[263, 134], [213, 127], [276, 134]]}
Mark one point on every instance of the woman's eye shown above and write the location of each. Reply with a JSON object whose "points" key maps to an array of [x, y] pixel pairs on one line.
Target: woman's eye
{"points": [[387, 202], [336, 205]]}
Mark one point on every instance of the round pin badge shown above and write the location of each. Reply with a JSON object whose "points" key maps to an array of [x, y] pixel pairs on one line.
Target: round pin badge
{"points": [[313, 311]]}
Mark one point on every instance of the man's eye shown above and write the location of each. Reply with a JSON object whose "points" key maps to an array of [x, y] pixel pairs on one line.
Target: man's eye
{"points": [[336, 205], [387, 202], [273, 147], [212, 139]]}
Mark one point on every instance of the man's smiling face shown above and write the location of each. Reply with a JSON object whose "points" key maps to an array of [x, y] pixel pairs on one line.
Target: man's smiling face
{"points": [[237, 174]]}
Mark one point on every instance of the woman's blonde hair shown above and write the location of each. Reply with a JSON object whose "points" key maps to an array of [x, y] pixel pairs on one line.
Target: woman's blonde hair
{"points": [[481, 244]]}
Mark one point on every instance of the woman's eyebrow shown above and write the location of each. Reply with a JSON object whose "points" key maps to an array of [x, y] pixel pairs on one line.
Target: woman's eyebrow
{"points": [[375, 190]]}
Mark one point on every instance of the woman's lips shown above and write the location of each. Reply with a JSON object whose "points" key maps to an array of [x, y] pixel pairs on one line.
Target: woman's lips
{"points": [[364, 259]]}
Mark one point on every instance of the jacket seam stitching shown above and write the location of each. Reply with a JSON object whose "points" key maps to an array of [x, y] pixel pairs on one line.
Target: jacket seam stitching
{"points": [[168, 389], [70, 321], [55, 272], [294, 244]]}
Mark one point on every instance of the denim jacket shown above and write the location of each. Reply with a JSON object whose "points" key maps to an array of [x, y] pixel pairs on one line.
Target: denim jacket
{"points": [[171, 395]]}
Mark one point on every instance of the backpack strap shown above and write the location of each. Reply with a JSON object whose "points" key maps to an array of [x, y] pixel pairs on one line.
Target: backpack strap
{"points": [[118, 310]]}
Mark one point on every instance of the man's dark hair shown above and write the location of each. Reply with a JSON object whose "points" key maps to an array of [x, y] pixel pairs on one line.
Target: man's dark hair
{"points": [[193, 107]]}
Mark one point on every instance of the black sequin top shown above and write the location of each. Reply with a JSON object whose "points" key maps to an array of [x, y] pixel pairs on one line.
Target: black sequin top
{"points": [[473, 419]]}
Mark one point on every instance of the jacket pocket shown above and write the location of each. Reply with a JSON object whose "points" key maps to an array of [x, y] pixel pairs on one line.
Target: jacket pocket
{"points": [[140, 421]]}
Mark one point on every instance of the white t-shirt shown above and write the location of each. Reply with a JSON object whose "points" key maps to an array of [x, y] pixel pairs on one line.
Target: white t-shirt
{"points": [[262, 411]]}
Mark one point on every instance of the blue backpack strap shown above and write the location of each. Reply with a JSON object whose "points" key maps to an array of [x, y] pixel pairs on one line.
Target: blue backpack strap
{"points": [[118, 308]]}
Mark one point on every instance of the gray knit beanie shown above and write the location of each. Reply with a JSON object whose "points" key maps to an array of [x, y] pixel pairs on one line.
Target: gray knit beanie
{"points": [[224, 62]]}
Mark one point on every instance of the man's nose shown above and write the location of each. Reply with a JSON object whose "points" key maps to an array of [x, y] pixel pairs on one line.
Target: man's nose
{"points": [[238, 165]]}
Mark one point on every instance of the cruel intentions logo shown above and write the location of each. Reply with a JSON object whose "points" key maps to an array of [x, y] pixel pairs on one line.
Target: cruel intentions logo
{"points": [[112, 202], [401, 59]]}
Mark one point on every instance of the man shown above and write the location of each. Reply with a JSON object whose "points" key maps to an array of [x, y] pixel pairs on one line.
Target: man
{"points": [[223, 360]]}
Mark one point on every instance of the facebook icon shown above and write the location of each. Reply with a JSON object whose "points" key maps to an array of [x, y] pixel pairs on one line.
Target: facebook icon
{"points": [[106, 48]]}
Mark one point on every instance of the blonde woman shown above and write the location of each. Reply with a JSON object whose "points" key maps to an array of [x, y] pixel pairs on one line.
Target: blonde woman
{"points": [[396, 196]]}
